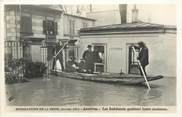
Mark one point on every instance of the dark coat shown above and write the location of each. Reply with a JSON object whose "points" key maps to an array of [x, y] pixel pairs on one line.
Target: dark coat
{"points": [[89, 61], [59, 57], [57, 49], [143, 56]]}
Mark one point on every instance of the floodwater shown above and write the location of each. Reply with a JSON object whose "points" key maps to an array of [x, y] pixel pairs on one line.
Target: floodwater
{"points": [[68, 92]]}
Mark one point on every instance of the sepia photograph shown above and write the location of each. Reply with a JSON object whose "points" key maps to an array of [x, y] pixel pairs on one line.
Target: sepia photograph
{"points": [[90, 55]]}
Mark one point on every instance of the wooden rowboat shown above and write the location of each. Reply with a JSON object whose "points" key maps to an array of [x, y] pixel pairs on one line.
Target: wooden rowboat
{"points": [[108, 77]]}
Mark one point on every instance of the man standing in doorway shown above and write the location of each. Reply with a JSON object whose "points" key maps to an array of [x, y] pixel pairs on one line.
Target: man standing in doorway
{"points": [[88, 57], [59, 57], [143, 56]]}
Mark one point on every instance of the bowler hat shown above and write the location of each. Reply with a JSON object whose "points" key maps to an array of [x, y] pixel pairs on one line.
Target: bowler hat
{"points": [[141, 43], [89, 46]]}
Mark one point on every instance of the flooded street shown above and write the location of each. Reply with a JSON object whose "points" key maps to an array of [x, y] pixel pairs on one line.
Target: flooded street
{"points": [[67, 92]]}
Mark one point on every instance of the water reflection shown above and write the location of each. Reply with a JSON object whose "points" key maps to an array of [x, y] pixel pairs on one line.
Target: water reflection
{"points": [[63, 91]]}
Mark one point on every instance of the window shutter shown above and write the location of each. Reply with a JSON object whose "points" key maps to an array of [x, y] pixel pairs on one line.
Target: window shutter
{"points": [[29, 25], [44, 27], [55, 28], [73, 28], [26, 24], [50, 27]]}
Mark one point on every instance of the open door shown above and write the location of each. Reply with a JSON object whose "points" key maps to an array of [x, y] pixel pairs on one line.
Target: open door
{"points": [[133, 67], [100, 57]]}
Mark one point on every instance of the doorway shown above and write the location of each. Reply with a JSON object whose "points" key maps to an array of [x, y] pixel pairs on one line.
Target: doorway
{"points": [[100, 57], [133, 67]]}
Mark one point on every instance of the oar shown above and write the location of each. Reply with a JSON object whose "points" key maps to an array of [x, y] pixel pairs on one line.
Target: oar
{"points": [[142, 70]]}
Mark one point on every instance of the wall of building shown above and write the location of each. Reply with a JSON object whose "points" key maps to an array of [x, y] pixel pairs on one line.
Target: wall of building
{"points": [[78, 24], [12, 26], [162, 51]]}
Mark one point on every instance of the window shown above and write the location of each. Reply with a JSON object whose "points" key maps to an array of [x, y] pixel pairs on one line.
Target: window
{"points": [[99, 57], [72, 27], [134, 56], [26, 25], [133, 63], [85, 25], [50, 27]]}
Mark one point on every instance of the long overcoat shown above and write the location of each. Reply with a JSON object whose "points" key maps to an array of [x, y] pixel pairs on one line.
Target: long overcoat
{"points": [[143, 56]]}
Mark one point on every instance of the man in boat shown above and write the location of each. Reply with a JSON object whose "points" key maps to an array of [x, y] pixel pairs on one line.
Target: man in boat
{"points": [[143, 56], [88, 57], [59, 57]]}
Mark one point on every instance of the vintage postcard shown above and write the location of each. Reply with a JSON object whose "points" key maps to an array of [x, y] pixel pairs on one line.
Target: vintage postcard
{"points": [[90, 58]]}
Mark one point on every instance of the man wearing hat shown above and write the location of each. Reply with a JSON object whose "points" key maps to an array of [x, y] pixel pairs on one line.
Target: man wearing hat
{"points": [[143, 56], [59, 57], [88, 57]]}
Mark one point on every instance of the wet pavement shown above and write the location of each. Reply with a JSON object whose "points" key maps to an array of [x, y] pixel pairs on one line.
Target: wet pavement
{"points": [[68, 92]]}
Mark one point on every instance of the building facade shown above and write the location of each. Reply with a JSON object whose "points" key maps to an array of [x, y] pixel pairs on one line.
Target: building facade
{"points": [[72, 25], [31, 29], [114, 42]]}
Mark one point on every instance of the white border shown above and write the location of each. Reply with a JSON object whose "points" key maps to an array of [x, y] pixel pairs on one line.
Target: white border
{"points": [[179, 57], [88, 1]]}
